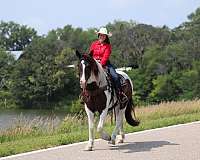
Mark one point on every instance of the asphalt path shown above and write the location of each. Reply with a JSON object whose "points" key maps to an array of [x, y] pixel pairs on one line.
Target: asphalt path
{"points": [[180, 142]]}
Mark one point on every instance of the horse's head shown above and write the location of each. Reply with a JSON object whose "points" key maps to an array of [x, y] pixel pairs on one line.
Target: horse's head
{"points": [[88, 69]]}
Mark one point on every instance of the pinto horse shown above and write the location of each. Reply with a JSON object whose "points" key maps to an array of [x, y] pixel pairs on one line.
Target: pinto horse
{"points": [[99, 96]]}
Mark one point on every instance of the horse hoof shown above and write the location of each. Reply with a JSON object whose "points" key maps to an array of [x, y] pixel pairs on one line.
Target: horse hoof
{"points": [[111, 142], [88, 148], [106, 137], [120, 141]]}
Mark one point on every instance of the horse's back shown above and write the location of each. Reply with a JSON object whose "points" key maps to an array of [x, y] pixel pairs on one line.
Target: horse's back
{"points": [[123, 74], [126, 77]]}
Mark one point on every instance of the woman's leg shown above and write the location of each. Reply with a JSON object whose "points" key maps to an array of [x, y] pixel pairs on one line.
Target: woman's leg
{"points": [[115, 76], [122, 97]]}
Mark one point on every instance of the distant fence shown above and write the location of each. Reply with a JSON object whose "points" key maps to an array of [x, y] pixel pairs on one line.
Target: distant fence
{"points": [[118, 69]]}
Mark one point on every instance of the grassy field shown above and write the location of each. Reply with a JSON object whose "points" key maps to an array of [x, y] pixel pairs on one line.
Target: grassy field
{"points": [[40, 134]]}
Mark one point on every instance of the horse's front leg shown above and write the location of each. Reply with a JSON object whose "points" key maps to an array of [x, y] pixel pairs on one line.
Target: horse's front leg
{"points": [[100, 130], [90, 115]]}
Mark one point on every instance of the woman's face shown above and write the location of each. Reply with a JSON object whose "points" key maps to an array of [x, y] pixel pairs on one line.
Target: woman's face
{"points": [[102, 38]]}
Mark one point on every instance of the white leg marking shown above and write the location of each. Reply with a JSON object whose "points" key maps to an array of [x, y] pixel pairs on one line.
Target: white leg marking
{"points": [[119, 123], [90, 115], [103, 134], [121, 130], [103, 115], [101, 120]]}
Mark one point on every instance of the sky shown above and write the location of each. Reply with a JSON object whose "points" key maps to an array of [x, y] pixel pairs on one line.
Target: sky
{"points": [[45, 15]]}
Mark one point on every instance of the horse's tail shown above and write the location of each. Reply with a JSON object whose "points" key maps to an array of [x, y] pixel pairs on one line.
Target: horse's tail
{"points": [[128, 114]]}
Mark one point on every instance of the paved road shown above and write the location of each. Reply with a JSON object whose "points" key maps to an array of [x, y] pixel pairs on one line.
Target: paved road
{"points": [[181, 142]]}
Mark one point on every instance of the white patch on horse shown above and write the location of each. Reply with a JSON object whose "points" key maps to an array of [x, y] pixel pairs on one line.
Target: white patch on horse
{"points": [[82, 79], [92, 78], [103, 82], [90, 115], [102, 75]]}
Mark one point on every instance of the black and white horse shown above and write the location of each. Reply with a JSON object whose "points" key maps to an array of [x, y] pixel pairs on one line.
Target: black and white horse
{"points": [[98, 96]]}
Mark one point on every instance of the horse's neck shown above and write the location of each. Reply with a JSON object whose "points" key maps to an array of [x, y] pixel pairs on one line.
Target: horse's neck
{"points": [[102, 76]]}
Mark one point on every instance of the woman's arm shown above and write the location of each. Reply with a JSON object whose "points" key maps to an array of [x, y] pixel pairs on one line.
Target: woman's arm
{"points": [[106, 55]]}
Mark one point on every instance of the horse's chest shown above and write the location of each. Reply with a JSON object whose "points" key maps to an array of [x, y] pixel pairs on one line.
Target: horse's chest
{"points": [[97, 102]]}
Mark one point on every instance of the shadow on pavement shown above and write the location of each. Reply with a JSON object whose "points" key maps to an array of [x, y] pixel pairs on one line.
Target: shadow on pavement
{"points": [[140, 146]]}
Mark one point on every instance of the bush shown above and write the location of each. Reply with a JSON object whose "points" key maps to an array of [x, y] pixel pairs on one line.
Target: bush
{"points": [[76, 107], [7, 100]]}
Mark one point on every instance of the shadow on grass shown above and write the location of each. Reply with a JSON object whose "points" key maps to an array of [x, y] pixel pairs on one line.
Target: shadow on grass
{"points": [[140, 146]]}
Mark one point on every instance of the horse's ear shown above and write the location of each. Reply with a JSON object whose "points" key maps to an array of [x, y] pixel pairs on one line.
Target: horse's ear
{"points": [[78, 54]]}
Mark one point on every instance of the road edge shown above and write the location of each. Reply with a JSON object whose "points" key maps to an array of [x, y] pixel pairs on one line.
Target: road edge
{"points": [[78, 143]]}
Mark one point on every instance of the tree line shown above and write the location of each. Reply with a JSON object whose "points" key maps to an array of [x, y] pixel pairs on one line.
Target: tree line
{"points": [[165, 62]]}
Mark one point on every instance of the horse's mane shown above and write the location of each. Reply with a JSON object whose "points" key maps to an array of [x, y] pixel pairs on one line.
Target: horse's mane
{"points": [[92, 63]]}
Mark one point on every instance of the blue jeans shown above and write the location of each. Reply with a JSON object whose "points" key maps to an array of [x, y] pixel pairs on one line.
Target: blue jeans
{"points": [[115, 76]]}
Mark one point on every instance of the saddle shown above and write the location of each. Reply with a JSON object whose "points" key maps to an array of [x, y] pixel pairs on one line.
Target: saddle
{"points": [[121, 96]]}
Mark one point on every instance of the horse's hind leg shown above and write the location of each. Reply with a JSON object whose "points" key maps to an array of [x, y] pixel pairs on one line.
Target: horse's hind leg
{"points": [[119, 121], [121, 130], [90, 115]]}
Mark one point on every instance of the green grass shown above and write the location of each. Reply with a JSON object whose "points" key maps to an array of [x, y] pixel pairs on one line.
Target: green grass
{"points": [[25, 137]]}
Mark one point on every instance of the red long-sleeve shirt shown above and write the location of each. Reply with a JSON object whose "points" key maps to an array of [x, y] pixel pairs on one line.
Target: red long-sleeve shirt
{"points": [[100, 51]]}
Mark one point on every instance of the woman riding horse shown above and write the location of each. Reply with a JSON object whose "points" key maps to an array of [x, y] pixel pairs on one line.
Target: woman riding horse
{"points": [[101, 50], [97, 93]]}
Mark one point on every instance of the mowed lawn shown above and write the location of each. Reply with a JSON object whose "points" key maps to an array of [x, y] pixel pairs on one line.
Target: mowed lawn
{"points": [[34, 135]]}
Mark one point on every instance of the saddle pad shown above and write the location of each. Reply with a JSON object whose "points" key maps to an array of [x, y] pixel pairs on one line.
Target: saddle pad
{"points": [[122, 79]]}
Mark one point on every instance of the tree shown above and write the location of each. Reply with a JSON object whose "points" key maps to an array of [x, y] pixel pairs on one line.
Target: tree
{"points": [[164, 89], [41, 74], [131, 40], [6, 68], [14, 37], [76, 38]]}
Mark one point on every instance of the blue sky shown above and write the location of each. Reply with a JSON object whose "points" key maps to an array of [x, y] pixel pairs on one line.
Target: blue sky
{"points": [[45, 15]]}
